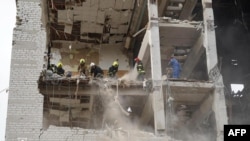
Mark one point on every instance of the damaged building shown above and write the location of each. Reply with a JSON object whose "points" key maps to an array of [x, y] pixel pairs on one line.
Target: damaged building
{"points": [[209, 38]]}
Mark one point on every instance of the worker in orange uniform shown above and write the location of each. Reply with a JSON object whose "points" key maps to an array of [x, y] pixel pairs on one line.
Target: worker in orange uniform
{"points": [[82, 67], [140, 69], [113, 69]]}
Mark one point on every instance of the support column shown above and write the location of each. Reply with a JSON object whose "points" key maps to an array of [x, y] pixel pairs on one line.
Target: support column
{"points": [[219, 108], [209, 41], [155, 56], [219, 104]]}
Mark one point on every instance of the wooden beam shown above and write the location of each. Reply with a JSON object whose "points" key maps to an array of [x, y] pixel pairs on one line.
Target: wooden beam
{"points": [[193, 58]]}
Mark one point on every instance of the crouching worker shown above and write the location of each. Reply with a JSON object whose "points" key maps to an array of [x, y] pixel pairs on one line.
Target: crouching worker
{"points": [[95, 71], [113, 69], [60, 70]]}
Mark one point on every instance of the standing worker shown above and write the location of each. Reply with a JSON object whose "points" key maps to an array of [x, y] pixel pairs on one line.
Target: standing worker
{"points": [[140, 69], [176, 67], [113, 69], [96, 71], [82, 68]]}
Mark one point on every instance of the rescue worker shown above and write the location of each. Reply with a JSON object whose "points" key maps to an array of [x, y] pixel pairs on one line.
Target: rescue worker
{"points": [[113, 69], [53, 68], [140, 69], [81, 67], [95, 71], [60, 70], [176, 67]]}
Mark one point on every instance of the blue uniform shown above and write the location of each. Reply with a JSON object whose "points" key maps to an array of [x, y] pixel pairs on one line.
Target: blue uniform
{"points": [[176, 68]]}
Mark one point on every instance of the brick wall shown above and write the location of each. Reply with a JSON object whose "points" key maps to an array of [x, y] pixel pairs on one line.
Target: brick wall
{"points": [[25, 105]]}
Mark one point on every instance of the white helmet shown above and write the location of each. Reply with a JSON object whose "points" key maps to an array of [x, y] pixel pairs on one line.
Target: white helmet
{"points": [[92, 64]]}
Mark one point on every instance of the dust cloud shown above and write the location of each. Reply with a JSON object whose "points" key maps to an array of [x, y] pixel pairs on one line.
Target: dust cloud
{"points": [[119, 125]]}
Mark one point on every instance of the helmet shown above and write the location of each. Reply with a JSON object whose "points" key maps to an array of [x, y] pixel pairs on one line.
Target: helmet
{"points": [[137, 59], [82, 61], [92, 64], [59, 65], [115, 64]]}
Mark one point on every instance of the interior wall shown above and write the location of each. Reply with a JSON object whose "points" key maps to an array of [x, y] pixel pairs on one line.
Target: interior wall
{"points": [[111, 52], [69, 54]]}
